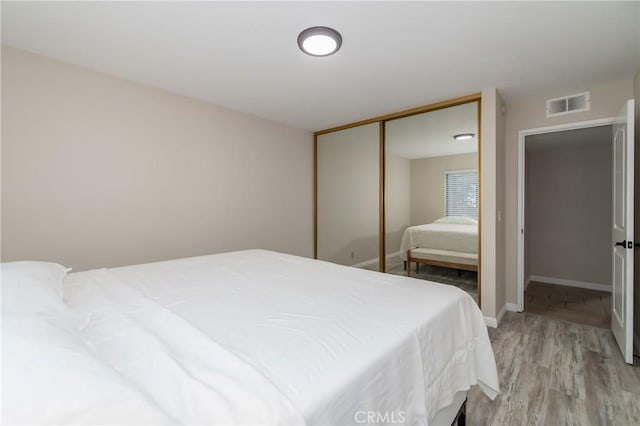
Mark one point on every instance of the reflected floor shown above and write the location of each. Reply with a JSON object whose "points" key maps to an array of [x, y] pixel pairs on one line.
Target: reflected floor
{"points": [[465, 280]]}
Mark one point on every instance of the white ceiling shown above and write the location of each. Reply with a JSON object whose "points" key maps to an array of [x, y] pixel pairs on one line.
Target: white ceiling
{"points": [[431, 134], [395, 55]]}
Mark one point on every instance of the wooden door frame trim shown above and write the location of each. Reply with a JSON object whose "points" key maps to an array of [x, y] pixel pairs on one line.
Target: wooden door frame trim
{"points": [[407, 112]]}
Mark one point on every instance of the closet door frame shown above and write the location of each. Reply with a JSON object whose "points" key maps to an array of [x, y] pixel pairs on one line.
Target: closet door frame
{"points": [[381, 120]]}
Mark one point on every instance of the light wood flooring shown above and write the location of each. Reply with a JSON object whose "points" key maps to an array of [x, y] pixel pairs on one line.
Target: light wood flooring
{"points": [[556, 372], [573, 304]]}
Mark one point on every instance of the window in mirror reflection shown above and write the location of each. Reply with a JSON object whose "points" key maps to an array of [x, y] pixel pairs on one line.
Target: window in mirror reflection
{"points": [[461, 193]]}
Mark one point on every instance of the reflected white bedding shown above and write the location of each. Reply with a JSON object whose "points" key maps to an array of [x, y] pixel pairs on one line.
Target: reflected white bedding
{"points": [[258, 337], [441, 236]]}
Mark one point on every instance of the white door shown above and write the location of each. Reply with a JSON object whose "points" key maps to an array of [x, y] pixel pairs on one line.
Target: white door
{"points": [[623, 242]]}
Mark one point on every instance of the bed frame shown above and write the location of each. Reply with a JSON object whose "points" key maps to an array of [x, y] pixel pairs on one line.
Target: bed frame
{"points": [[411, 258], [461, 417], [455, 414]]}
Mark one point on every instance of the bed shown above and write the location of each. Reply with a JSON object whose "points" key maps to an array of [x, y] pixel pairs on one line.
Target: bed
{"points": [[451, 242], [249, 337]]}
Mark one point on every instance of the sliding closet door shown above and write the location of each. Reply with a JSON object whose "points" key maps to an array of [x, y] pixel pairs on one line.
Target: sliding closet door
{"points": [[430, 175], [348, 196]]}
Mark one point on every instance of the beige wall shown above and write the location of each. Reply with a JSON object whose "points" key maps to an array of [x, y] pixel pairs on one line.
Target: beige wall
{"points": [[397, 215], [568, 209], [491, 226], [606, 101], [99, 171], [428, 183], [348, 193]]}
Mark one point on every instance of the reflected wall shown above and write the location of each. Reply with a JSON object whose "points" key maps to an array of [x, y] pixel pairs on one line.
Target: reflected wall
{"points": [[348, 196]]}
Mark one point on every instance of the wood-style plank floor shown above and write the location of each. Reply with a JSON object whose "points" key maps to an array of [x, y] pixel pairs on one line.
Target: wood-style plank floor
{"points": [[573, 304], [555, 372]]}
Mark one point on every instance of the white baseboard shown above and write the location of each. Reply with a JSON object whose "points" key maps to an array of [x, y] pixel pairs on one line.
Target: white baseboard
{"points": [[526, 283], [500, 315], [511, 307], [365, 263], [571, 283], [375, 260], [491, 322], [495, 322], [390, 255]]}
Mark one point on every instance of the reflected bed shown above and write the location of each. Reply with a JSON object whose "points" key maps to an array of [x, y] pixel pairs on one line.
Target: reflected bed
{"points": [[450, 242]]}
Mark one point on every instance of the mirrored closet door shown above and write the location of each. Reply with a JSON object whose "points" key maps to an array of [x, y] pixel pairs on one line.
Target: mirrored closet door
{"points": [[348, 194], [431, 196], [400, 193]]}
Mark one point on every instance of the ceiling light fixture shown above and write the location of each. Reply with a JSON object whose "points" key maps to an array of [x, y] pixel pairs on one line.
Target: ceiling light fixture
{"points": [[463, 136], [319, 41]]}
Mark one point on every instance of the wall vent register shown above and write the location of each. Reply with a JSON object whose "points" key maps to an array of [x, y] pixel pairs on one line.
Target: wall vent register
{"points": [[569, 104]]}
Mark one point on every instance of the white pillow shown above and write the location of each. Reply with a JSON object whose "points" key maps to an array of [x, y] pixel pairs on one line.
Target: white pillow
{"points": [[32, 286], [460, 220], [51, 377]]}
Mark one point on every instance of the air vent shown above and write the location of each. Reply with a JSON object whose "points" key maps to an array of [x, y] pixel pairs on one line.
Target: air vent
{"points": [[569, 104]]}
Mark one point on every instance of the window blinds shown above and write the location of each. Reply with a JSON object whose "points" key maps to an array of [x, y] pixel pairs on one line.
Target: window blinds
{"points": [[461, 193]]}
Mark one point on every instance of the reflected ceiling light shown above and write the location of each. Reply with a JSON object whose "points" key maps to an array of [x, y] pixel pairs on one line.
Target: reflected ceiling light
{"points": [[463, 136], [319, 41]]}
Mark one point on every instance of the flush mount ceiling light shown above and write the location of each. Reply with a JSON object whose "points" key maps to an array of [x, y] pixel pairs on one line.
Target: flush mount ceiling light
{"points": [[463, 136], [319, 41]]}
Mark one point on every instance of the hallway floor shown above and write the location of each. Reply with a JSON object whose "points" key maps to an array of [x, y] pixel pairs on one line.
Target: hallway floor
{"points": [[589, 307]]}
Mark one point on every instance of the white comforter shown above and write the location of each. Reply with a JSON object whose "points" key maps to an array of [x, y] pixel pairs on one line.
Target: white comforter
{"points": [[258, 337], [440, 236]]}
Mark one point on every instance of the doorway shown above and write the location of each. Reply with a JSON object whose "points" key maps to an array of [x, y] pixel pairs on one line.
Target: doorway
{"points": [[523, 136], [567, 231], [622, 243]]}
